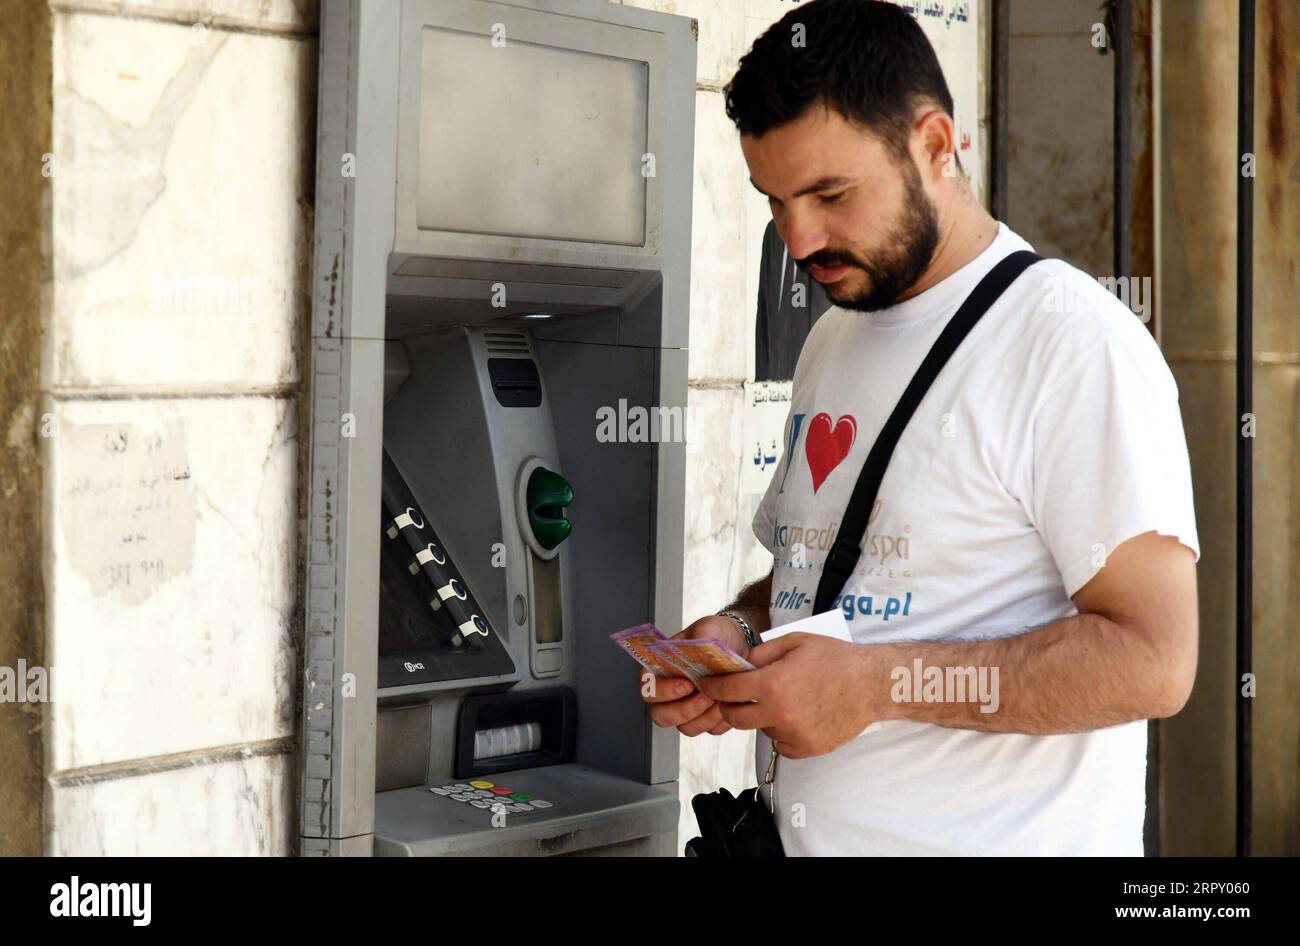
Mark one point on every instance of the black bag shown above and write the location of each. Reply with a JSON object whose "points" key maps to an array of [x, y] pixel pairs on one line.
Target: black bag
{"points": [[734, 827], [744, 826]]}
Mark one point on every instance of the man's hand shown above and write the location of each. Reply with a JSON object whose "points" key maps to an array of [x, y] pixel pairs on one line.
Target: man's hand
{"points": [[675, 702], [809, 689]]}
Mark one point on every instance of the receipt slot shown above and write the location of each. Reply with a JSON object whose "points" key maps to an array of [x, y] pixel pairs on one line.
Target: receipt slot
{"points": [[503, 212]]}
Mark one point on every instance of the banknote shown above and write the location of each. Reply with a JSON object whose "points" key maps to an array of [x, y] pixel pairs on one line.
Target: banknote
{"points": [[706, 657], [637, 642]]}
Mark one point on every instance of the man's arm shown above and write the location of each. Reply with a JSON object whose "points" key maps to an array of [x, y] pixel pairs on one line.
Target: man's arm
{"points": [[752, 604], [1129, 654]]}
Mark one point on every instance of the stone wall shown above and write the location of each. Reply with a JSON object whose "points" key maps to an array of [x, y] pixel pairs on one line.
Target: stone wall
{"points": [[183, 144]]}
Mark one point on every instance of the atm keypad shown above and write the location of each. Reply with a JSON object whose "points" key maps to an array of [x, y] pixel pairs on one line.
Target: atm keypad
{"points": [[480, 793]]}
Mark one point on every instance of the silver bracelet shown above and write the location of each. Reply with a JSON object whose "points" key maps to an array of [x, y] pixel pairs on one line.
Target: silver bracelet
{"points": [[745, 629]]}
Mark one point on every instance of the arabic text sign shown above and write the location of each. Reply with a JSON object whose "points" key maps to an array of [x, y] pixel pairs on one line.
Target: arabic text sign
{"points": [[766, 405]]}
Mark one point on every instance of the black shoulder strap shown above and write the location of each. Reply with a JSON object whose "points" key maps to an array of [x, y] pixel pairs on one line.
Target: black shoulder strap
{"points": [[846, 550]]}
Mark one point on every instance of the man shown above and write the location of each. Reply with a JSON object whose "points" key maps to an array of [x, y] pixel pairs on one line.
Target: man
{"points": [[1034, 527]]}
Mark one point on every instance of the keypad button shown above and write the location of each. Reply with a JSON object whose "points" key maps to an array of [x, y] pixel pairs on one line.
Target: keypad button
{"points": [[523, 806], [479, 803], [480, 783], [462, 797], [441, 791], [539, 803], [498, 790], [461, 787]]}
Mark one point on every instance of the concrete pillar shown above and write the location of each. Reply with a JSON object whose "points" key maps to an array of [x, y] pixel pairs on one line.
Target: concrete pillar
{"points": [[25, 101], [1198, 172]]}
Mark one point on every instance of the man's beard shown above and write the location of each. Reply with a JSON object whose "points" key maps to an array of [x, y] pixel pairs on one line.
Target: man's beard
{"points": [[906, 253]]}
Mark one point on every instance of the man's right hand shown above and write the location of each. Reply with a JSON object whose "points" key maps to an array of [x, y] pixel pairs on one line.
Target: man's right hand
{"points": [[675, 701]]}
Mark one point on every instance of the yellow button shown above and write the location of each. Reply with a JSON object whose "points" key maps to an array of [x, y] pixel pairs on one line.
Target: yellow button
{"points": [[481, 783]]}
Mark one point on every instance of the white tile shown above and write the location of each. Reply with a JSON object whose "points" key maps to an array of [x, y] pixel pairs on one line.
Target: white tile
{"points": [[757, 215], [769, 10], [180, 229], [239, 808], [712, 487], [722, 553], [721, 33], [721, 556], [722, 315], [294, 15], [754, 28], [171, 575]]}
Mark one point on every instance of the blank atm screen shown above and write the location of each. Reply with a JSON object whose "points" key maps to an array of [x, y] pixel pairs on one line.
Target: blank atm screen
{"points": [[531, 140]]}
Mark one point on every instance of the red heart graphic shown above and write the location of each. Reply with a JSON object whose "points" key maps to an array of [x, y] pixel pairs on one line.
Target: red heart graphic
{"points": [[826, 448]]}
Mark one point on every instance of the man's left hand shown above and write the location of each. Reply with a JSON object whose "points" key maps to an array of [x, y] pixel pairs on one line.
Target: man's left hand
{"points": [[812, 693]]}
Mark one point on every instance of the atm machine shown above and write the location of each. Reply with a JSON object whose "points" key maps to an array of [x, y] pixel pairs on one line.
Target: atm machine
{"points": [[500, 292]]}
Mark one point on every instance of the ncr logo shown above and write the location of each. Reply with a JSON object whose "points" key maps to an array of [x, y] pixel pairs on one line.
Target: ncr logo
{"points": [[78, 899]]}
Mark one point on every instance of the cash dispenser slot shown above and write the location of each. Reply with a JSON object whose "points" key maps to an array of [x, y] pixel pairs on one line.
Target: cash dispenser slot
{"points": [[502, 731]]}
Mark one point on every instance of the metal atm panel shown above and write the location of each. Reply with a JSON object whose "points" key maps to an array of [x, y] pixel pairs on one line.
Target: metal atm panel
{"points": [[471, 543]]}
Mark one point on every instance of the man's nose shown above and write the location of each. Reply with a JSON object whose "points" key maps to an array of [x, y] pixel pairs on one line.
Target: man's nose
{"points": [[802, 234]]}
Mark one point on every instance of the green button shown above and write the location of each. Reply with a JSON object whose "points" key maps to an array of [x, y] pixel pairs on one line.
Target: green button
{"points": [[522, 796], [548, 495]]}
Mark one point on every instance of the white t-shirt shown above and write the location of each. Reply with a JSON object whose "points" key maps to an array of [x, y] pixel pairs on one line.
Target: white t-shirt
{"points": [[1052, 435]]}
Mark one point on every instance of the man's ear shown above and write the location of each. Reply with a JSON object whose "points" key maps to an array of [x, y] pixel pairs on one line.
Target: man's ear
{"points": [[935, 150]]}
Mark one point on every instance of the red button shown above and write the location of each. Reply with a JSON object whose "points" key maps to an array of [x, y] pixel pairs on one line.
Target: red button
{"points": [[499, 790]]}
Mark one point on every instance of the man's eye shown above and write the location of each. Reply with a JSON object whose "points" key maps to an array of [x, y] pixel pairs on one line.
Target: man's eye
{"points": [[832, 198]]}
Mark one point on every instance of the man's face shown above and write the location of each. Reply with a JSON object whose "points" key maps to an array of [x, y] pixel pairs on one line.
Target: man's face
{"points": [[855, 218]]}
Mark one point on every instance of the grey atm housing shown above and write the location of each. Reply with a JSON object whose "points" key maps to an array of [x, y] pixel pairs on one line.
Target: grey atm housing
{"points": [[435, 191]]}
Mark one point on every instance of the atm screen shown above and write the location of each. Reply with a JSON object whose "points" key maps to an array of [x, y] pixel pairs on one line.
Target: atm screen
{"points": [[531, 140]]}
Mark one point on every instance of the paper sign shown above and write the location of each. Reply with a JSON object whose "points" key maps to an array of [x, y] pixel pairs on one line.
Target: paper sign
{"points": [[767, 403]]}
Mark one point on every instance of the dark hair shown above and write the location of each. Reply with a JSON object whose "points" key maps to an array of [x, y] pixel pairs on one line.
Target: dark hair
{"points": [[867, 59]]}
